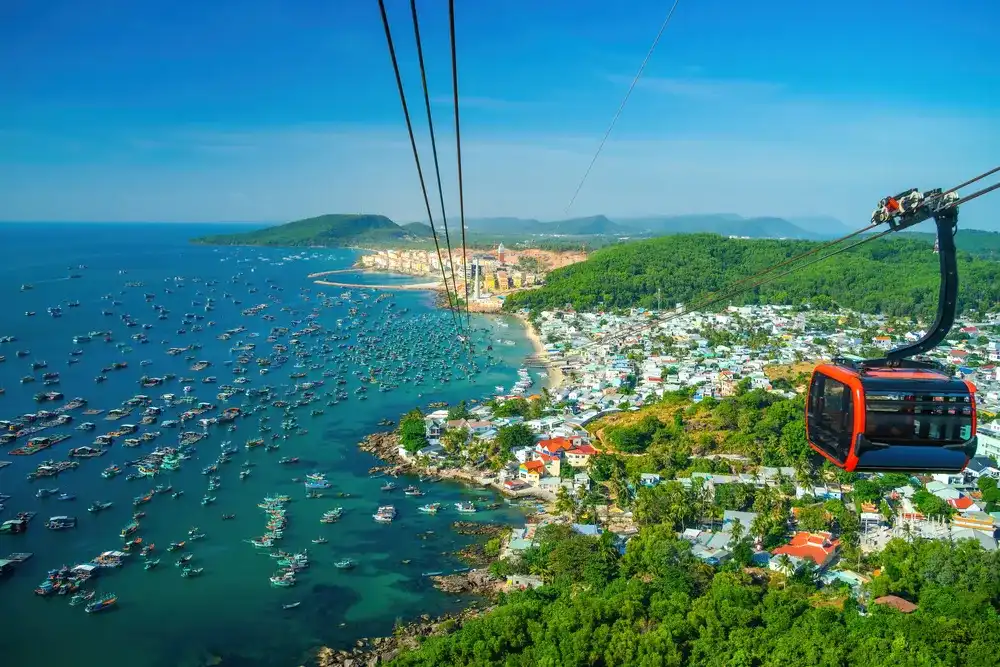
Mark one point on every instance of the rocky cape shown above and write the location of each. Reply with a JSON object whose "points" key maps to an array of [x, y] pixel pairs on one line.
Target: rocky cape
{"points": [[381, 650]]}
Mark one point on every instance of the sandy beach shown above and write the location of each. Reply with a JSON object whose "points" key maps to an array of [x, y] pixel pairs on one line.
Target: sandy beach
{"points": [[555, 378]]}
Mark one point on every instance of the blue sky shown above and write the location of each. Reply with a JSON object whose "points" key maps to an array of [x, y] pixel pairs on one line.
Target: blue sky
{"points": [[273, 110]]}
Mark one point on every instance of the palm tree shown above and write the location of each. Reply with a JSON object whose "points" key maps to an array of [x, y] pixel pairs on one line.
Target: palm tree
{"points": [[737, 530], [786, 566]]}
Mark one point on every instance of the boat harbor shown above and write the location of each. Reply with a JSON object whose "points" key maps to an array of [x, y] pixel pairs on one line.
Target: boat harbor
{"points": [[205, 441]]}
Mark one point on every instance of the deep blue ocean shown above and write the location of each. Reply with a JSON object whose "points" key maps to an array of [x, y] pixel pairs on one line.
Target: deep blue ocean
{"points": [[231, 611]]}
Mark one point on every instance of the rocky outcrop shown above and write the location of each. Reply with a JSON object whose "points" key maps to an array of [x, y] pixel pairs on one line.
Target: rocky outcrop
{"points": [[473, 528], [381, 650], [476, 582], [384, 445]]}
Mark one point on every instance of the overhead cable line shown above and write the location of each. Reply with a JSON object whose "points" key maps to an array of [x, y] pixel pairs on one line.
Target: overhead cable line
{"points": [[621, 106], [458, 152], [434, 152], [733, 289], [416, 156]]}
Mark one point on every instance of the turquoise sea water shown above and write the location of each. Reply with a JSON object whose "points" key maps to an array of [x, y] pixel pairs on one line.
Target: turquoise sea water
{"points": [[231, 611]]}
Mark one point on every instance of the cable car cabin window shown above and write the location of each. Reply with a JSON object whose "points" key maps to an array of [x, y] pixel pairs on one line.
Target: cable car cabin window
{"points": [[831, 416], [918, 419]]}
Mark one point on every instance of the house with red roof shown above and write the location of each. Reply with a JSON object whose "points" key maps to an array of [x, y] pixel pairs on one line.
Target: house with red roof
{"points": [[820, 548], [552, 463], [579, 457], [558, 445], [531, 471], [961, 503], [957, 357], [897, 603]]}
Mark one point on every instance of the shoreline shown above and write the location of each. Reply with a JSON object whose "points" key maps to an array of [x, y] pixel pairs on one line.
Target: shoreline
{"points": [[556, 376]]}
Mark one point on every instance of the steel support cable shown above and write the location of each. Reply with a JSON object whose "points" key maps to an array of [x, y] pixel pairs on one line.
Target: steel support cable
{"points": [[458, 152], [416, 155], [703, 303], [621, 106], [978, 193], [829, 244], [430, 126]]}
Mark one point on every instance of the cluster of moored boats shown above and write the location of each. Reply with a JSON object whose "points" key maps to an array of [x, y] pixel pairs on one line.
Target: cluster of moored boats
{"points": [[374, 346]]}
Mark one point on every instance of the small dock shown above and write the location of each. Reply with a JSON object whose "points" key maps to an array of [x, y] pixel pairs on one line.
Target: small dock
{"points": [[19, 557]]}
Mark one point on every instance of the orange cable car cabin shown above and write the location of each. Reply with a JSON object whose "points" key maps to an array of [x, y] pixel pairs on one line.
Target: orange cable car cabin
{"points": [[897, 413], [885, 419]]}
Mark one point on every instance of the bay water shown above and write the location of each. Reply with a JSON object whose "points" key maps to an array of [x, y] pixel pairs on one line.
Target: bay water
{"points": [[230, 612]]}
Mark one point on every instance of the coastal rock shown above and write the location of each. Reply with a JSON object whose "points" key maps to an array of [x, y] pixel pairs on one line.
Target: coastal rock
{"points": [[384, 445], [473, 528], [477, 582], [382, 650]]}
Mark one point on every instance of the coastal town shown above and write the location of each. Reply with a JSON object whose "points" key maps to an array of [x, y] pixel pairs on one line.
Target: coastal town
{"points": [[488, 276], [570, 447]]}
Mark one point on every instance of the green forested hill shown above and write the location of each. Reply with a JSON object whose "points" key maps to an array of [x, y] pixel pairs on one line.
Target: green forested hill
{"points": [[975, 241], [895, 276], [324, 230]]}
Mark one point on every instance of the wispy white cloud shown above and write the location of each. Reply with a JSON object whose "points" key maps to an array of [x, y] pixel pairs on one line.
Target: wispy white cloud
{"points": [[796, 158]]}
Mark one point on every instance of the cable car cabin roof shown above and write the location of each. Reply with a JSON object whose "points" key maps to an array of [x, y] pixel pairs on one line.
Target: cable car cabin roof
{"points": [[897, 379]]}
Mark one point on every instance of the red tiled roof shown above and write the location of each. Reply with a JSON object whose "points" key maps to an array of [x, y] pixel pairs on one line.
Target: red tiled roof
{"points": [[583, 450], [817, 547], [533, 466], [548, 458], [897, 603], [961, 503], [555, 445]]}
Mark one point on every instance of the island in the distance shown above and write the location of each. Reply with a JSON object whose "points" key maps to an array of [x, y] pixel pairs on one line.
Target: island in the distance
{"points": [[331, 231]]}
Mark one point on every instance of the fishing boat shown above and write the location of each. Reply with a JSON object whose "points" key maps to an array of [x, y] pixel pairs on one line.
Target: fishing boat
{"points": [[466, 507], [81, 597], [183, 560], [345, 564], [389, 486], [150, 564], [103, 603], [385, 514], [330, 516], [61, 522], [192, 572], [283, 581], [228, 517], [66, 496], [290, 605], [176, 546], [413, 491], [45, 493], [430, 508]]}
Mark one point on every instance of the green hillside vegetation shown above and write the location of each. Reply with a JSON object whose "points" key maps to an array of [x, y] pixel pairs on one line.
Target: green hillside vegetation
{"points": [[896, 276], [659, 606], [973, 241], [324, 230], [765, 427]]}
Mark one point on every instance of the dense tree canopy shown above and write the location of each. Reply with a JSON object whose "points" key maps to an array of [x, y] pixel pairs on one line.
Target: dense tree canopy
{"points": [[412, 434], [659, 606], [894, 276]]}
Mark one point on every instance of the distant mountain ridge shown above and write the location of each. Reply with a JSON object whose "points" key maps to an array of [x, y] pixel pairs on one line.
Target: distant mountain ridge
{"points": [[339, 230], [726, 224], [331, 230]]}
